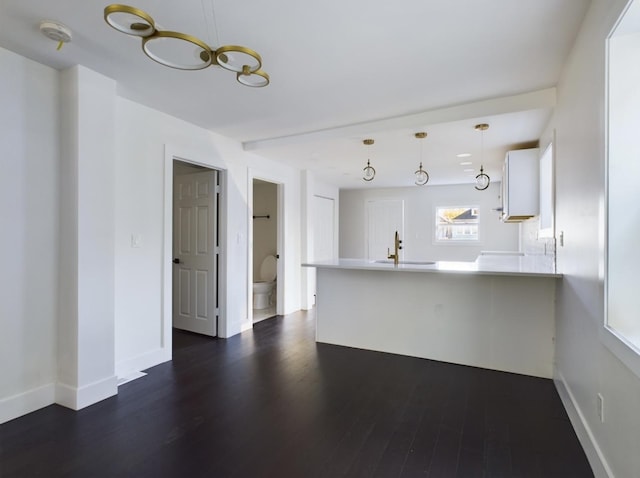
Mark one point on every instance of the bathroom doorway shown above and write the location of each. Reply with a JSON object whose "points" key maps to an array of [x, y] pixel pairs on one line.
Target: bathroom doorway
{"points": [[265, 255]]}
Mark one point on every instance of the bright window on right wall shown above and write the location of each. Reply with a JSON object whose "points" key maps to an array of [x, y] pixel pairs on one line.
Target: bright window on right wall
{"points": [[623, 173], [457, 224]]}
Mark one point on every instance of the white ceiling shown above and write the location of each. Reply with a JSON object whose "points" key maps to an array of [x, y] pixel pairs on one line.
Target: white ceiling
{"points": [[341, 71]]}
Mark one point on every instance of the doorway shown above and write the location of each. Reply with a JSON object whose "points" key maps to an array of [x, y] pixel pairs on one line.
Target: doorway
{"points": [[196, 248], [265, 255], [323, 226]]}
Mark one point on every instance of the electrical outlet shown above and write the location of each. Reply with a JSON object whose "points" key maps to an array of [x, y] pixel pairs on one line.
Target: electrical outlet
{"points": [[600, 405]]}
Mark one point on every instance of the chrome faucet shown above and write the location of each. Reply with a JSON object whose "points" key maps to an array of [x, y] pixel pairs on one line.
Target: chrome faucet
{"points": [[396, 245]]}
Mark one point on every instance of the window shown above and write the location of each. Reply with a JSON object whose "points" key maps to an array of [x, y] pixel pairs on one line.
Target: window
{"points": [[623, 198], [457, 224]]}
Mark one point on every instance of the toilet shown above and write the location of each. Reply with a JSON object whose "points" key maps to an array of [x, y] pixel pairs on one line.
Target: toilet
{"points": [[263, 288]]}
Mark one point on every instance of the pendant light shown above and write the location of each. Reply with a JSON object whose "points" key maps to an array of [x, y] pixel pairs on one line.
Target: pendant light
{"points": [[368, 171], [482, 179], [422, 177]]}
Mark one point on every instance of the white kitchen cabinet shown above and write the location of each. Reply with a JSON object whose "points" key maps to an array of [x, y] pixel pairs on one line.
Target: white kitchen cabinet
{"points": [[520, 185]]}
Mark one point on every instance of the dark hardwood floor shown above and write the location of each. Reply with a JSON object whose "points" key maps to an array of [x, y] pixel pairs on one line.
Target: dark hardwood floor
{"points": [[273, 403]]}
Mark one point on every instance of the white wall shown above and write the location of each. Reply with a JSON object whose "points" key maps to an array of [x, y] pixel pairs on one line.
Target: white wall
{"points": [[29, 240], [419, 223], [142, 133], [311, 187], [85, 321], [585, 364]]}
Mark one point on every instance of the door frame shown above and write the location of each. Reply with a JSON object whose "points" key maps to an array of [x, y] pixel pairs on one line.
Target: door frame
{"points": [[205, 160], [280, 241]]}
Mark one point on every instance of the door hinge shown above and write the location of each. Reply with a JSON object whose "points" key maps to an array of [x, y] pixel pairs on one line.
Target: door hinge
{"points": [[217, 190]]}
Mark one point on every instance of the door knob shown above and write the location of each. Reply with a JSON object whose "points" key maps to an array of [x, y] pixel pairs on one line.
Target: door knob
{"points": [[176, 261]]}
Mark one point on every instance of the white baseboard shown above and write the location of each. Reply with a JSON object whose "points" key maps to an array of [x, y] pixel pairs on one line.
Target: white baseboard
{"points": [[77, 398], [26, 402], [594, 454], [142, 362], [130, 378]]}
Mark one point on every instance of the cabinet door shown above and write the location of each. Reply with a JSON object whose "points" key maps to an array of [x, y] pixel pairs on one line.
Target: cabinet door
{"points": [[505, 188], [521, 184]]}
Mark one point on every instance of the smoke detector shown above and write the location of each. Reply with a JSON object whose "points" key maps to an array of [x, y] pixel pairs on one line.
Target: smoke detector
{"points": [[56, 31]]}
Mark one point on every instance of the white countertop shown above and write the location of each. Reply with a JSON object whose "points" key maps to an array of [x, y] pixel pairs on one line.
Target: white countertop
{"points": [[508, 265]]}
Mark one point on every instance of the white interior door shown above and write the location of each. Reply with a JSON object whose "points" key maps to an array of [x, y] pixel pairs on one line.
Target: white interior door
{"points": [[323, 231], [384, 218], [195, 252], [323, 234]]}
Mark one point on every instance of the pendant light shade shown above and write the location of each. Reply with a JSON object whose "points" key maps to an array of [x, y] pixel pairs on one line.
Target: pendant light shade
{"points": [[482, 179], [368, 172], [422, 177]]}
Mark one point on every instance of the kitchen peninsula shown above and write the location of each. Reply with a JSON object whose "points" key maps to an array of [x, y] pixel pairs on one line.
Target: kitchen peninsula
{"points": [[495, 313]]}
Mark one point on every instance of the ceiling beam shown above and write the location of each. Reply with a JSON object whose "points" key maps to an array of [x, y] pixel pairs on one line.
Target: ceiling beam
{"points": [[496, 106]]}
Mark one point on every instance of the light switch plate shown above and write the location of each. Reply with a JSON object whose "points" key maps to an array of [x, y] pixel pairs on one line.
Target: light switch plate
{"points": [[136, 240]]}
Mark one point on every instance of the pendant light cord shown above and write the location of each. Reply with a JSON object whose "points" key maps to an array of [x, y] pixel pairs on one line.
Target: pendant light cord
{"points": [[208, 18]]}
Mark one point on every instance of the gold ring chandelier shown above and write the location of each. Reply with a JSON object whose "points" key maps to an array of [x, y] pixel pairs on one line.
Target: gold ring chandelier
{"points": [[185, 52]]}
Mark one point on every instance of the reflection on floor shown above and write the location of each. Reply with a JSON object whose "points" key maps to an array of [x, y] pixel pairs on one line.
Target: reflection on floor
{"points": [[261, 314]]}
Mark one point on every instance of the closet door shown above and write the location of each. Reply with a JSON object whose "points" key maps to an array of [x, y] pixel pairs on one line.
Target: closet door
{"points": [[194, 252]]}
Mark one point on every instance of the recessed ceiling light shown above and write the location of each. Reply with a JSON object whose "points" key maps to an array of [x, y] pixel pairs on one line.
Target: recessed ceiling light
{"points": [[465, 163], [468, 170], [463, 155]]}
